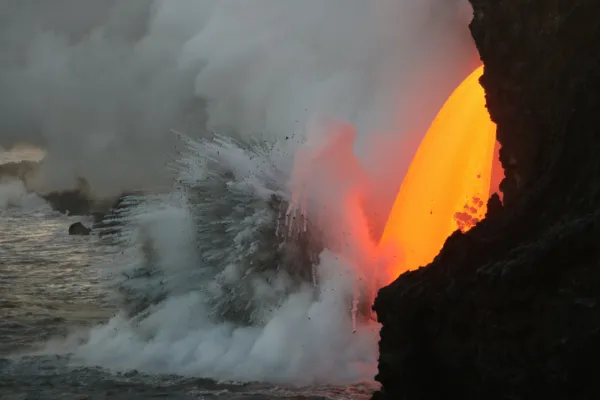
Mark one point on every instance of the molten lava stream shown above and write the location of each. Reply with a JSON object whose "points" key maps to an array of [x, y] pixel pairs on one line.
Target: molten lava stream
{"points": [[447, 184]]}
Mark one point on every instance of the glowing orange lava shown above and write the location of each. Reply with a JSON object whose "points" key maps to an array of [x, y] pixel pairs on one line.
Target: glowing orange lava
{"points": [[447, 184]]}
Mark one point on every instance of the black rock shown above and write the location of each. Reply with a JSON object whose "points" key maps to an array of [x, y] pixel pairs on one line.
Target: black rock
{"points": [[79, 229], [73, 202], [508, 310]]}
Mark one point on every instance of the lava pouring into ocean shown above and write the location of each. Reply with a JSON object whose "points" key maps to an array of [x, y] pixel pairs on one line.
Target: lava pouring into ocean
{"points": [[446, 188], [447, 184]]}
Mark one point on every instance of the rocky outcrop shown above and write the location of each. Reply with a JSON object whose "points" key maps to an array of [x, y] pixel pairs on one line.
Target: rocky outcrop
{"points": [[79, 201], [79, 229], [76, 201], [511, 309]]}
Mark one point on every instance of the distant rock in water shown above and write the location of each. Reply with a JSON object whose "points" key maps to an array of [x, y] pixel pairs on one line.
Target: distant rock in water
{"points": [[79, 201], [73, 202], [79, 229], [76, 201]]}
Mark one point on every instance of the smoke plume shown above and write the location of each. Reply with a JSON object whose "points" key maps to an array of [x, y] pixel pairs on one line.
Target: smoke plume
{"points": [[100, 85], [325, 101]]}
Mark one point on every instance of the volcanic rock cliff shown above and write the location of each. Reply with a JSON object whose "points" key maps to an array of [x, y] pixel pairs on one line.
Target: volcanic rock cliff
{"points": [[511, 309]]}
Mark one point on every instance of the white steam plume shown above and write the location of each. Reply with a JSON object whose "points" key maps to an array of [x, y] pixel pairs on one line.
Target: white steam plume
{"points": [[102, 103], [100, 84]]}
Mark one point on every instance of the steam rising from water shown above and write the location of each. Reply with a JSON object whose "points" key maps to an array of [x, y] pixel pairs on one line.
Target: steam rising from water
{"points": [[210, 298], [100, 85], [14, 194]]}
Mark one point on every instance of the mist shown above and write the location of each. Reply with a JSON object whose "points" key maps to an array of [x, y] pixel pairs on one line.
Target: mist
{"points": [[100, 85]]}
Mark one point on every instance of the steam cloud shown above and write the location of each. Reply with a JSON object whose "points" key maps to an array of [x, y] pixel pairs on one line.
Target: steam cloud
{"points": [[99, 85]]}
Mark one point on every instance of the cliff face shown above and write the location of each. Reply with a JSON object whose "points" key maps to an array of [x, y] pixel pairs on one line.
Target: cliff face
{"points": [[511, 309]]}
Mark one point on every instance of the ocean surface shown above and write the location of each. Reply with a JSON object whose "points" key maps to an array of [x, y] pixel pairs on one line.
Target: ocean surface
{"points": [[52, 285]]}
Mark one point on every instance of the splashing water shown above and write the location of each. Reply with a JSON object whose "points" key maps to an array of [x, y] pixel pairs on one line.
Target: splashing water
{"points": [[209, 289]]}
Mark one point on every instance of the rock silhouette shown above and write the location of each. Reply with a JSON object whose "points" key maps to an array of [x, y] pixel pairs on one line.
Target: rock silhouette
{"points": [[509, 310], [79, 229]]}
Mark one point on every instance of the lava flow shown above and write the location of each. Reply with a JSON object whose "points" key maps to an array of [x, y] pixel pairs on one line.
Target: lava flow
{"points": [[447, 184]]}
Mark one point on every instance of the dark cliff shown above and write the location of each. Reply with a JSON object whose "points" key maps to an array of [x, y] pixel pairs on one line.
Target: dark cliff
{"points": [[511, 309]]}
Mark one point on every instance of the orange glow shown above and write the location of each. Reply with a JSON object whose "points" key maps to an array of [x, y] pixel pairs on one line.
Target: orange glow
{"points": [[447, 184]]}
